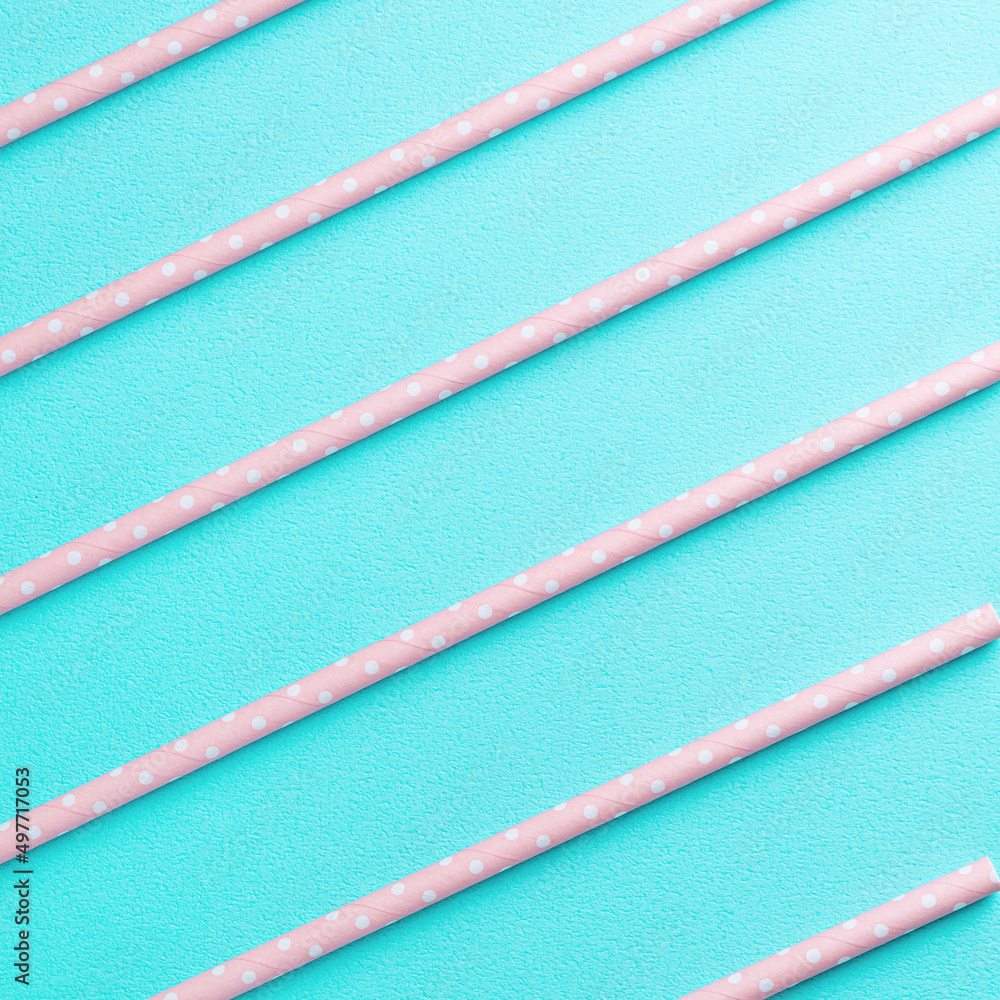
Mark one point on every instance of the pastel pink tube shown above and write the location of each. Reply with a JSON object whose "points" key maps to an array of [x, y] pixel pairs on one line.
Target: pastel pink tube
{"points": [[135, 62], [854, 937], [516, 594], [495, 353], [369, 177], [555, 826]]}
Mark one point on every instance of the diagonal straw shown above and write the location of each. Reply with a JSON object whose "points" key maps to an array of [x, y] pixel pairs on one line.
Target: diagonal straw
{"points": [[525, 590], [591, 809], [369, 177], [854, 937], [496, 353], [135, 62]]}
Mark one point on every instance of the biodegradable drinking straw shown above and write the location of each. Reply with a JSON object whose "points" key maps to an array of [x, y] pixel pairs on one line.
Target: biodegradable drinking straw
{"points": [[495, 353], [591, 809], [856, 936], [135, 62], [369, 177], [525, 590]]}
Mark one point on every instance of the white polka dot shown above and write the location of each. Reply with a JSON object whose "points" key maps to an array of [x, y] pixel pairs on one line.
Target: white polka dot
{"points": [[881, 930], [198, 275], [543, 841], [821, 701], [464, 128], [29, 98], [371, 667], [827, 444], [558, 338], [895, 419], [712, 500], [758, 216], [725, 19], [249, 977], [705, 756], [989, 100], [362, 923], [140, 531], [122, 299], [284, 944], [826, 189], [791, 222], [511, 97], [888, 676], [551, 586], [68, 800], [211, 753], [325, 697], [579, 70], [428, 161], [813, 955], [485, 611], [481, 361], [595, 305], [8, 356], [315, 951], [694, 12], [658, 47], [766, 986], [258, 722], [55, 325], [367, 419], [873, 159], [674, 280], [590, 812], [599, 555], [313, 217], [735, 978], [428, 895], [905, 165], [100, 807], [512, 834], [181, 745], [780, 475], [928, 901], [475, 867], [657, 786], [145, 778], [73, 558], [710, 247], [773, 731], [60, 104], [242, 21], [438, 641], [937, 645], [127, 78], [174, 48]]}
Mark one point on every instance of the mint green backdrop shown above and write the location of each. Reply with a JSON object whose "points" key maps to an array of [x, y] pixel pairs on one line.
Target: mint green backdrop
{"points": [[832, 569]]}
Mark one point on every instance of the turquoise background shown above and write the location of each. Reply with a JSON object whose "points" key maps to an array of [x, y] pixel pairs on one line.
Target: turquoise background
{"points": [[830, 570]]}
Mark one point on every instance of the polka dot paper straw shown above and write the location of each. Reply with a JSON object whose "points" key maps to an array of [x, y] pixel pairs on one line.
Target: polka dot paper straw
{"points": [[591, 809], [135, 62], [369, 177], [492, 354], [856, 936], [514, 595]]}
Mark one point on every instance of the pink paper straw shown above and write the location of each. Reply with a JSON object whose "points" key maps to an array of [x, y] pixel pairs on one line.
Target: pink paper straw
{"points": [[493, 354], [638, 787], [135, 62], [369, 177], [525, 590], [856, 936]]}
